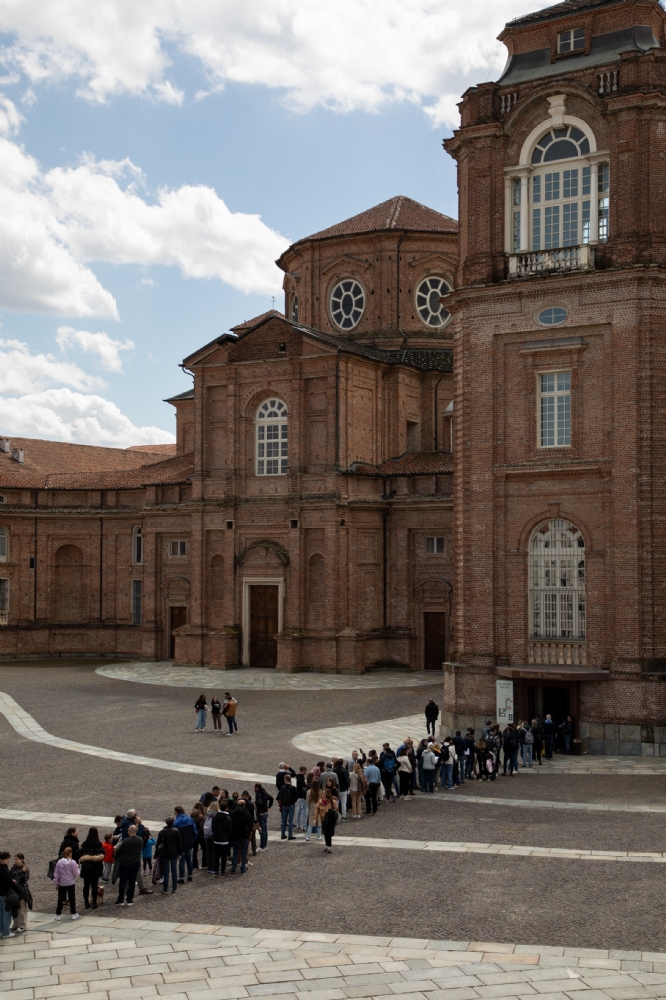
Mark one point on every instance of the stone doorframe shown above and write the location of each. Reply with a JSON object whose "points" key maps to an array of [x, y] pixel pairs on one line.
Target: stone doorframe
{"points": [[261, 581]]}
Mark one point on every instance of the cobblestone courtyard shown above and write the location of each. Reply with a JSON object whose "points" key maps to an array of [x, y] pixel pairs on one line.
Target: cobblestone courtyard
{"points": [[452, 867]]}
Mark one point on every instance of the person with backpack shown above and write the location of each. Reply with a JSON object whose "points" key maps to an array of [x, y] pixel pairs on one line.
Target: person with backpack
{"points": [[460, 747], [241, 829], [388, 765], [262, 802], [510, 743], [429, 759], [201, 707], [327, 815], [167, 849], [470, 757], [526, 744], [188, 835], [287, 797], [549, 734], [447, 756], [221, 826], [432, 715], [537, 735]]}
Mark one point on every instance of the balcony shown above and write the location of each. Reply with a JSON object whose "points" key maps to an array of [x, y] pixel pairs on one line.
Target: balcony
{"points": [[4, 617], [525, 265], [552, 652]]}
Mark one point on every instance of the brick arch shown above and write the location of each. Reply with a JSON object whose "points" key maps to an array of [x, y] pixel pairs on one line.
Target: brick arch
{"points": [[530, 526], [69, 584]]}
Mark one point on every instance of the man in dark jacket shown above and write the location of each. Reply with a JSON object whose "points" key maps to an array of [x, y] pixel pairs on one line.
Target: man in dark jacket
{"points": [[460, 747], [263, 802], [128, 855], [167, 848], [188, 834], [549, 734], [71, 839], [283, 771], [287, 797], [388, 766], [510, 744], [432, 715], [343, 781], [221, 838], [241, 828]]}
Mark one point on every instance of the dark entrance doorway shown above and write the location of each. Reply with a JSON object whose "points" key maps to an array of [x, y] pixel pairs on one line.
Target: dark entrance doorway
{"points": [[263, 626], [434, 645], [177, 617]]}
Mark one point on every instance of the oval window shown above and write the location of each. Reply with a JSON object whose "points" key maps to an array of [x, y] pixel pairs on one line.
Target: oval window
{"points": [[428, 304], [347, 304], [552, 316]]}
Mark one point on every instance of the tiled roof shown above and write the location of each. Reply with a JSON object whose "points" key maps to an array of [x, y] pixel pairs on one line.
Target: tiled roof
{"points": [[426, 360], [188, 394], [396, 213], [173, 470], [421, 463], [61, 456], [249, 324], [560, 10]]}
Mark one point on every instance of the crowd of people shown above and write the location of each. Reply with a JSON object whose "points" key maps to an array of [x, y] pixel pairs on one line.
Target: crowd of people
{"points": [[224, 829], [218, 710]]}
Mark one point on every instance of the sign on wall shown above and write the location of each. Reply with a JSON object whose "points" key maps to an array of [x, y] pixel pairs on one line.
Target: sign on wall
{"points": [[504, 701]]}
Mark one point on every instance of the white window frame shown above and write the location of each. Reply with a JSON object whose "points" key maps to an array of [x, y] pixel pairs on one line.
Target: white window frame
{"points": [[137, 602], [137, 545], [434, 545], [178, 547], [556, 574], [272, 453], [568, 38], [561, 409], [4, 545]]}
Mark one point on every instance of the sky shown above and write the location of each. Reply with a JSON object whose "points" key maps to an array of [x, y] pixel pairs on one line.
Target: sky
{"points": [[157, 157]]}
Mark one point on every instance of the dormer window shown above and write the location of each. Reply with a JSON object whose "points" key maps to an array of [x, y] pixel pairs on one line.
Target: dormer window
{"points": [[571, 41]]}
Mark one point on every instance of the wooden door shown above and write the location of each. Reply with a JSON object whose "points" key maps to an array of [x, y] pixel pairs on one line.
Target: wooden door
{"points": [[263, 626], [435, 640], [178, 617]]}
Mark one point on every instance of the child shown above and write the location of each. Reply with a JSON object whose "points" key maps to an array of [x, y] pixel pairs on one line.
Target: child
{"points": [[147, 853], [107, 844]]}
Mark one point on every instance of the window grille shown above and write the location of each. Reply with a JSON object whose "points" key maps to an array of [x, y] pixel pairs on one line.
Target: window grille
{"points": [[571, 41], [137, 602], [555, 409], [434, 546], [557, 581], [272, 438]]}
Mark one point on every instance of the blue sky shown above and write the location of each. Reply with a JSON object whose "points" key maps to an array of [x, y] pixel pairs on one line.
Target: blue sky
{"points": [[96, 248]]}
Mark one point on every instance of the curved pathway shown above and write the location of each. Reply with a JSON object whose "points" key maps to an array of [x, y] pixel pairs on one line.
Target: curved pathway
{"points": [[167, 674]]}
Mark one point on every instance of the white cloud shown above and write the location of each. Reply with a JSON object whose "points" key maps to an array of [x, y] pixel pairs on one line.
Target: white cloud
{"points": [[23, 372], [64, 415], [351, 54], [55, 223], [107, 349]]}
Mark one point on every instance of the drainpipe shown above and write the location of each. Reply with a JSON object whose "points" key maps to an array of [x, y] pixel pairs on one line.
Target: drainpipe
{"points": [[436, 413], [397, 291]]}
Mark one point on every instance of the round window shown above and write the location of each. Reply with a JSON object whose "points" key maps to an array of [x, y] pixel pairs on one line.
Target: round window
{"points": [[552, 316], [428, 304], [347, 304]]}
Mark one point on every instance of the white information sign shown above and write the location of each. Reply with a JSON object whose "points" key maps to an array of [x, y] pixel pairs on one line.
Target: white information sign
{"points": [[504, 701]]}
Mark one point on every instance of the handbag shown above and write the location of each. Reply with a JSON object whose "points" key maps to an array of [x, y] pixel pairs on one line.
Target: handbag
{"points": [[489, 766], [51, 869], [157, 870]]}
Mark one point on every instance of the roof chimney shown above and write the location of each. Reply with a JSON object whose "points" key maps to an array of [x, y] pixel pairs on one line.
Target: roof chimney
{"points": [[4, 445], [18, 454]]}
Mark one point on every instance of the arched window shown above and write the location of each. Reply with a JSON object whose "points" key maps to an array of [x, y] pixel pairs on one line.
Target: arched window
{"points": [[137, 546], [4, 546], [272, 438], [294, 308], [560, 198], [557, 581]]}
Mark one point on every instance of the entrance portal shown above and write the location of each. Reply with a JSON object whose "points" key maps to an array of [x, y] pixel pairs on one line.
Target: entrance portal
{"points": [[177, 617], [434, 643], [263, 625]]}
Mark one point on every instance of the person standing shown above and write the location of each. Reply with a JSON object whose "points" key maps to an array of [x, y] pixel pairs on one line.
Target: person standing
{"points": [[287, 797], [201, 707], [343, 786], [510, 743], [128, 856], [460, 746], [107, 845], [429, 759], [388, 765], [168, 848], [526, 744], [404, 773], [216, 712], [432, 715], [229, 710], [374, 779], [262, 802], [21, 875], [538, 740], [301, 817], [327, 815], [549, 734], [64, 879], [208, 836], [6, 883], [447, 757], [358, 786], [91, 862], [188, 834], [241, 828], [221, 838], [568, 733], [71, 839], [147, 853], [312, 801]]}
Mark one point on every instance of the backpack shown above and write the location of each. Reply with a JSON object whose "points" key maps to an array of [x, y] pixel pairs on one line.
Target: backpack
{"points": [[529, 737], [445, 754], [389, 765]]}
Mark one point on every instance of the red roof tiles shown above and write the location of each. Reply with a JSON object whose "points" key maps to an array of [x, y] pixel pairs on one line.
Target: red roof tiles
{"points": [[422, 463], [396, 213]]}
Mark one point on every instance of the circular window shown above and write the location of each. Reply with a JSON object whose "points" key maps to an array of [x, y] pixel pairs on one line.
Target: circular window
{"points": [[347, 304], [428, 304], [561, 144], [552, 316]]}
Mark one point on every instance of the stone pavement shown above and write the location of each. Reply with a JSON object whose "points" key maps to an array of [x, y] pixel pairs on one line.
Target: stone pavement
{"points": [[102, 958], [166, 673]]}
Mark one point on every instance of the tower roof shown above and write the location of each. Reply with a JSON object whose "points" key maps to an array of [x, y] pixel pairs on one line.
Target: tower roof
{"points": [[396, 213]]}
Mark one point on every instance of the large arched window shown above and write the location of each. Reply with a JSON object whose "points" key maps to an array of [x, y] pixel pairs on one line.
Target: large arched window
{"points": [[272, 438], [559, 198], [557, 581]]}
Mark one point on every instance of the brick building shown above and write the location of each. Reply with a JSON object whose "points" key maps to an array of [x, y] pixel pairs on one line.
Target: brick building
{"points": [[305, 517], [559, 324]]}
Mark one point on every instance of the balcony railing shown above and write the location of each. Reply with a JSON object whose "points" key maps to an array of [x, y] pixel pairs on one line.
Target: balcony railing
{"points": [[557, 652], [4, 617], [524, 265]]}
